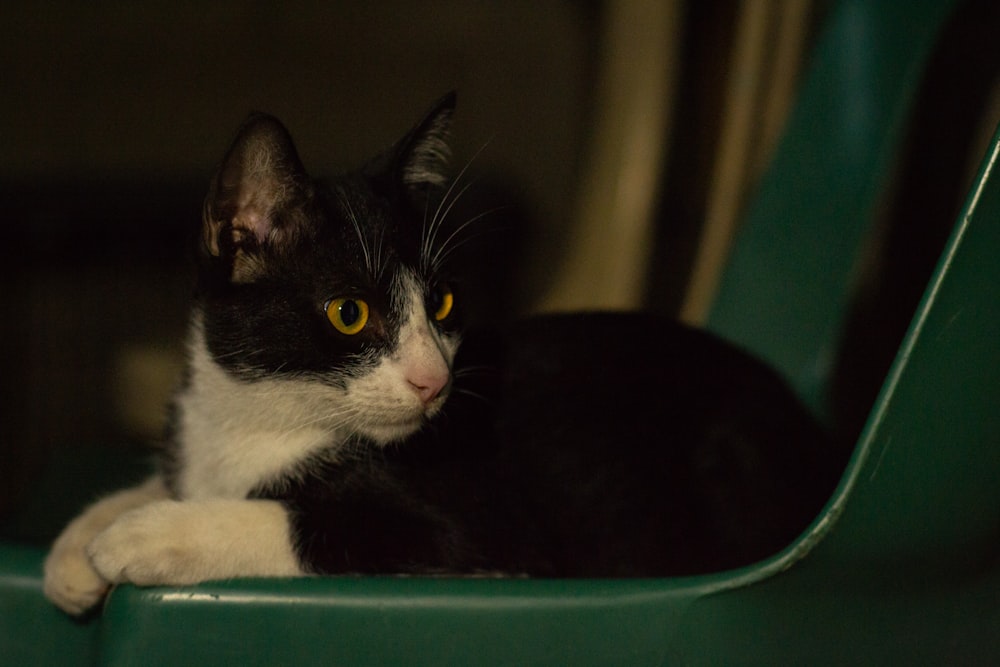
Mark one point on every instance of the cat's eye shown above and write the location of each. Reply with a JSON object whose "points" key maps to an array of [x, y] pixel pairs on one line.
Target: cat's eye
{"points": [[442, 300], [348, 316]]}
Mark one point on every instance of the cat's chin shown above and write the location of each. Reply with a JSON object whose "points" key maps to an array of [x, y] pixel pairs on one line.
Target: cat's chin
{"points": [[387, 434]]}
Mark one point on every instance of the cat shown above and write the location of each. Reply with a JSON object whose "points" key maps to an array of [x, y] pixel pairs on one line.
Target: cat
{"points": [[336, 417]]}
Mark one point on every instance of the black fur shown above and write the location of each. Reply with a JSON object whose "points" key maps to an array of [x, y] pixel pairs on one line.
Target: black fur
{"points": [[602, 445]]}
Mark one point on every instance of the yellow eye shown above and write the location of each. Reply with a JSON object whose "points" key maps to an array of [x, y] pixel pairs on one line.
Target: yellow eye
{"points": [[442, 301], [348, 316]]}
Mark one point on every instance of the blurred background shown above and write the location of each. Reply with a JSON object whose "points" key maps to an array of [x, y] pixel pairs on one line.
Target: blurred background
{"points": [[623, 139]]}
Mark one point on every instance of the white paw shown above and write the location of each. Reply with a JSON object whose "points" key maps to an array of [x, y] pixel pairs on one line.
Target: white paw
{"points": [[71, 582], [174, 543], [148, 546]]}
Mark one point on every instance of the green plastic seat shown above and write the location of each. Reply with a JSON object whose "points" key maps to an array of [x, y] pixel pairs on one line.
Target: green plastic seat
{"points": [[901, 567]]}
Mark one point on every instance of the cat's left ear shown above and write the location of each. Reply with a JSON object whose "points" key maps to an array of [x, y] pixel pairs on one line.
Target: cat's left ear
{"points": [[421, 158]]}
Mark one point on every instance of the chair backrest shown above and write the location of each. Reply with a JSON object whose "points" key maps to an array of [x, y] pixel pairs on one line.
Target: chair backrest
{"points": [[785, 291], [922, 487]]}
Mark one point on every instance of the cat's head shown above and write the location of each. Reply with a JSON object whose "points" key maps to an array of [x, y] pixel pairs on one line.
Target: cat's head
{"points": [[336, 292]]}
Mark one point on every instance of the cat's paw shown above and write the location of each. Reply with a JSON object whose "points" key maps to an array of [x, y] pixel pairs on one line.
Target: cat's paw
{"points": [[70, 581], [174, 543], [148, 546]]}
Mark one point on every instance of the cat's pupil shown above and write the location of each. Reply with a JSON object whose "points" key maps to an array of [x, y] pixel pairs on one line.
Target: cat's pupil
{"points": [[350, 312]]}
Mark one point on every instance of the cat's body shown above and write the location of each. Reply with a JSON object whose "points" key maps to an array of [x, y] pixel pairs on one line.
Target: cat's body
{"points": [[578, 458], [333, 420]]}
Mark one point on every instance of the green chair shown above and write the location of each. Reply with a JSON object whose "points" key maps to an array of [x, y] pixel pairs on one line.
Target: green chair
{"points": [[901, 567]]}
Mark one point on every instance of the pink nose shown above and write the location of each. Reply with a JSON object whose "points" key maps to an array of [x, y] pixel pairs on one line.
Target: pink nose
{"points": [[428, 387]]}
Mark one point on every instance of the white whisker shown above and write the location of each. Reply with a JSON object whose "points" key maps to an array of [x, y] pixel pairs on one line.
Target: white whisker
{"points": [[357, 229], [439, 219], [473, 394], [473, 370], [444, 206], [380, 261], [447, 248]]}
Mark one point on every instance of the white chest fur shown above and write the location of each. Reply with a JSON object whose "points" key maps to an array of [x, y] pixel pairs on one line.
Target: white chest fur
{"points": [[234, 434]]}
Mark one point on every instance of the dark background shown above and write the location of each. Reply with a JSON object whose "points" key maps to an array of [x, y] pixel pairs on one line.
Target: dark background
{"points": [[114, 116]]}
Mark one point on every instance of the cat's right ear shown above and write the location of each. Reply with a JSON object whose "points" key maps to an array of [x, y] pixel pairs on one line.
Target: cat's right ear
{"points": [[256, 196], [423, 155], [418, 164]]}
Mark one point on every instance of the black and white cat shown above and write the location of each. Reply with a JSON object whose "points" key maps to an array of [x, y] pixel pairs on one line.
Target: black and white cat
{"points": [[334, 417]]}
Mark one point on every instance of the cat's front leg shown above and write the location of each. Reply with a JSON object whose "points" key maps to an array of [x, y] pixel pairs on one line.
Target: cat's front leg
{"points": [[70, 580], [185, 542]]}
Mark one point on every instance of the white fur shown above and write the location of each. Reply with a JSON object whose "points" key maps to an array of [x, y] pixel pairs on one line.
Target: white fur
{"points": [[234, 434], [140, 536], [185, 542]]}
